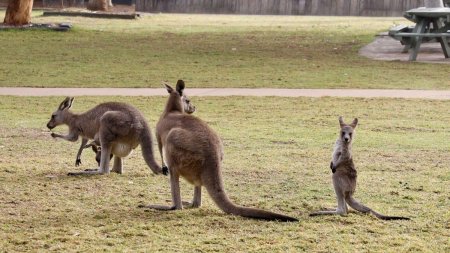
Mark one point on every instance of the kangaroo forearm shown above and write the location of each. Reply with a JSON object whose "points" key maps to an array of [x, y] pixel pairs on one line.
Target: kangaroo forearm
{"points": [[336, 163], [340, 158], [82, 146], [69, 137]]}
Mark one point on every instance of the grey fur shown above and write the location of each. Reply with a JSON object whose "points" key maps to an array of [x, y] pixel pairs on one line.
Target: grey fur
{"points": [[344, 175], [117, 127]]}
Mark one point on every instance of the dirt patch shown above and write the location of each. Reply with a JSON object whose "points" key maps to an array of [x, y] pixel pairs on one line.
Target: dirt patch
{"points": [[388, 49]]}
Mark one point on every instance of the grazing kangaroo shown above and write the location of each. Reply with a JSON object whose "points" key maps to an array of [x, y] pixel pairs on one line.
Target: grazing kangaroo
{"points": [[117, 127], [344, 175], [191, 149]]}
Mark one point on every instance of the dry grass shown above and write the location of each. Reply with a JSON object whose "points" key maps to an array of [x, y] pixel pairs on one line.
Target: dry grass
{"points": [[277, 152], [209, 51]]}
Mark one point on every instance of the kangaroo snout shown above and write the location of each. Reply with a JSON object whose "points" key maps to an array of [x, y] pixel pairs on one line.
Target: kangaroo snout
{"points": [[191, 110], [50, 126]]}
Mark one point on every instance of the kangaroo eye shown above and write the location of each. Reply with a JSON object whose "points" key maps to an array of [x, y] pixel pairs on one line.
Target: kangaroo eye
{"points": [[53, 116], [350, 134], [343, 133]]}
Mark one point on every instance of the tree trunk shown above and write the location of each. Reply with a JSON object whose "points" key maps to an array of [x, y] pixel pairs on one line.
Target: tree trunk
{"points": [[18, 12], [97, 5]]}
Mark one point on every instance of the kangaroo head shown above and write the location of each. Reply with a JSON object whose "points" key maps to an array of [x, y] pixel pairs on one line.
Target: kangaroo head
{"points": [[98, 153], [178, 100], [347, 130], [97, 150], [58, 116]]}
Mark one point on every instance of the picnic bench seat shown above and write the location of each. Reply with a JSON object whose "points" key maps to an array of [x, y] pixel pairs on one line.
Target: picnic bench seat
{"points": [[400, 29], [440, 37], [432, 24]]}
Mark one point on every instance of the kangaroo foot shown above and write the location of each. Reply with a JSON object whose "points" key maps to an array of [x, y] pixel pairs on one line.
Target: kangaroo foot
{"points": [[187, 204], [159, 207], [86, 172], [324, 212], [165, 170], [118, 171]]}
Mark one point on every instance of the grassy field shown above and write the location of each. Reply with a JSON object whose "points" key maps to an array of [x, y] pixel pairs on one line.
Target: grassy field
{"points": [[209, 51], [277, 152]]}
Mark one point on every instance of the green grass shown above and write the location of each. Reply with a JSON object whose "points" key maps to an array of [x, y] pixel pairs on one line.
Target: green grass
{"points": [[209, 51], [277, 152]]}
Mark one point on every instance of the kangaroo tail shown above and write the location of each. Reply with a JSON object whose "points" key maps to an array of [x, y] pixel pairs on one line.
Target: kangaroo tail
{"points": [[218, 195], [147, 150], [364, 209]]}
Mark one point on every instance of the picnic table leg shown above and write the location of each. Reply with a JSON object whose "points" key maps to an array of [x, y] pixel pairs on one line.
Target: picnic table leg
{"points": [[417, 40], [445, 46], [406, 48]]}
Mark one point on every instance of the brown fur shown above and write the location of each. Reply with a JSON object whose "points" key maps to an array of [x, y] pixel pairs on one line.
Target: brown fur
{"points": [[344, 175], [117, 127], [192, 150]]}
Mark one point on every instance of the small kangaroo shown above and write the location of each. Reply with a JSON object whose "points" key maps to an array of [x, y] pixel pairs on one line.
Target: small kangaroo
{"points": [[97, 150], [344, 175], [191, 149], [117, 127]]}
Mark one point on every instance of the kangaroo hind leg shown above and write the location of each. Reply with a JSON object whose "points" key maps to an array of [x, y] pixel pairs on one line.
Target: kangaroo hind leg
{"points": [[364, 209], [176, 195], [197, 201], [113, 124], [353, 203], [104, 165], [118, 165], [341, 209]]}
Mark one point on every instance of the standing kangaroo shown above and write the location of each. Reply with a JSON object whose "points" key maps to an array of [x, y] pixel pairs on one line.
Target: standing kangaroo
{"points": [[117, 127], [194, 151], [344, 175]]}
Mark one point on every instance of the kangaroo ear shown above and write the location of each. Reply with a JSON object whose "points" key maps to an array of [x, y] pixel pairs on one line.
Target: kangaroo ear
{"points": [[66, 104], [354, 123], [180, 87], [168, 88], [341, 121]]}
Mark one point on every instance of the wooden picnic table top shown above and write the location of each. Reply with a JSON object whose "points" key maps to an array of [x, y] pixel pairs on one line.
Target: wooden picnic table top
{"points": [[424, 12]]}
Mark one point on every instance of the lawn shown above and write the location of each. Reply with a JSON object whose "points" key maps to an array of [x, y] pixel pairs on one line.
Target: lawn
{"points": [[277, 152], [209, 51]]}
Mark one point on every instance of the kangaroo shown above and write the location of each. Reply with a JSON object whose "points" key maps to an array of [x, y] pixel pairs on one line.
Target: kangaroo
{"points": [[97, 150], [344, 175], [191, 149], [117, 127]]}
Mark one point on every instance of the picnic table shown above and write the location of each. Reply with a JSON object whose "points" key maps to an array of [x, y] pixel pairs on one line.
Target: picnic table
{"points": [[432, 24]]}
